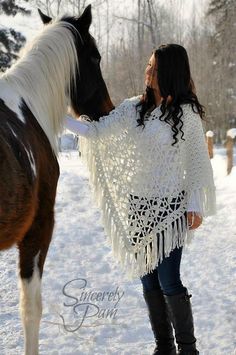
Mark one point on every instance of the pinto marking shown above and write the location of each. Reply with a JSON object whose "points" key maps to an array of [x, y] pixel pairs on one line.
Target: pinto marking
{"points": [[12, 99], [31, 307], [31, 159], [14, 134]]}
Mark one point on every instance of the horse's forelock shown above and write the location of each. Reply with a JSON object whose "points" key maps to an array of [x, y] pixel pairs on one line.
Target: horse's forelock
{"points": [[70, 22]]}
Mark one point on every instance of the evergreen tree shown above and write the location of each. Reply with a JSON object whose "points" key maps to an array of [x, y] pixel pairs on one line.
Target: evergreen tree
{"points": [[11, 41]]}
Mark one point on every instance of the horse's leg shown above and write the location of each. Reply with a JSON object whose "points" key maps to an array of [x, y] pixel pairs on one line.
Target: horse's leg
{"points": [[33, 250]]}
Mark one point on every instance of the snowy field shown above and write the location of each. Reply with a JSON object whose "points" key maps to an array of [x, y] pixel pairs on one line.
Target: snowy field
{"points": [[79, 255]]}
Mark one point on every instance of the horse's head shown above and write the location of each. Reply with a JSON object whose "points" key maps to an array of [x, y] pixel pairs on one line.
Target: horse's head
{"points": [[89, 96]]}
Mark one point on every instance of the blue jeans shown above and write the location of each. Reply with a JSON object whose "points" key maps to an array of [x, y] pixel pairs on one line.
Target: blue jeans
{"points": [[166, 276]]}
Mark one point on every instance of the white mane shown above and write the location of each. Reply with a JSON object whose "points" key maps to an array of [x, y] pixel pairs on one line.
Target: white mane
{"points": [[42, 77]]}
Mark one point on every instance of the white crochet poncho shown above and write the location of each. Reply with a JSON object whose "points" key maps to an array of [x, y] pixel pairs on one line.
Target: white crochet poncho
{"points": [[144, 185]]}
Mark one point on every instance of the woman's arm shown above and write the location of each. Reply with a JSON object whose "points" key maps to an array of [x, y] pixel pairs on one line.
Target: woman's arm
{"points": [[199, 173], [193, 203], [194, 215], [77, 127], [200, 181], [116, 122]]}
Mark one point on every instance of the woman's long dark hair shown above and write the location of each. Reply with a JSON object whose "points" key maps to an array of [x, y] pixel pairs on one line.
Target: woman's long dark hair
{"points": [[174, 79]]}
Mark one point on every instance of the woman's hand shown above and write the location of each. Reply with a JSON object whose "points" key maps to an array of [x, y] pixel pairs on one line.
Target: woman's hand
{"points": [[194, 220]]}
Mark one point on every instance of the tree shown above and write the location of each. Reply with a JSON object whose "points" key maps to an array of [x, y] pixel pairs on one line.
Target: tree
{"points": [[223, 14], [138, 32], [11, 41]]}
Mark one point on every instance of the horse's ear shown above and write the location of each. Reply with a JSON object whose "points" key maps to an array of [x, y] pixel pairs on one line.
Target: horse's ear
{"points": [[86, 18], [46, 19]]}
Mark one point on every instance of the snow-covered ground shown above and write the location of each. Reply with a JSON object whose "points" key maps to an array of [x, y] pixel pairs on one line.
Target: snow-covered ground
{"points": [[79, 254]]}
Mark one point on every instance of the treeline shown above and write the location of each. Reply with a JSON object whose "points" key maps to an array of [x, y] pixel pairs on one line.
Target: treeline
{"points": [[128, 31], [11, 40], [210, 39]]}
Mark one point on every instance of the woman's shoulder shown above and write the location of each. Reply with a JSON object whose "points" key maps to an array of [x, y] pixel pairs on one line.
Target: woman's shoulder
{"points": [[190, 113], [191, 118], [128, 106], [188, 108], [132, 101]]}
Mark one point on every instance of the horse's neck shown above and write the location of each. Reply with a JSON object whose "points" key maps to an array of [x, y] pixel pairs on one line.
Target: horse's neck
{"points": [[23, 84], [42, 76], [11, 98]]}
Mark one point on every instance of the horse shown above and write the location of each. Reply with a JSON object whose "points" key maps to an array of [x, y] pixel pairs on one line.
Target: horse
{"points": [[60, 68]]}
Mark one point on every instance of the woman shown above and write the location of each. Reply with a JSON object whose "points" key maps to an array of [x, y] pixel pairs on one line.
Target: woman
{"points": [[154, 182]]}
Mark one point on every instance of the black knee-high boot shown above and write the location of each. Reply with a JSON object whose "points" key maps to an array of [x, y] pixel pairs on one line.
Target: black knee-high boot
{"points": [[180, 311], [160, 323]]}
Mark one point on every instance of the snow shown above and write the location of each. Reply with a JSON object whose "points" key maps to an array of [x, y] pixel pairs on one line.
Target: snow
{"points": [[209, 134], [231, 133], [68, 141], [79, 252]]}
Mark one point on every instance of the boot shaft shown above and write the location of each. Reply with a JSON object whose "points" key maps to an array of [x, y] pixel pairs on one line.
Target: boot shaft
{"points": [[160, 323], [180, 313]]}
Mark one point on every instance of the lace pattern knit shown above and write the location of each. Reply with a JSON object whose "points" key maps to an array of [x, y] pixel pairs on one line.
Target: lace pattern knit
{"points": [[143, 184]]}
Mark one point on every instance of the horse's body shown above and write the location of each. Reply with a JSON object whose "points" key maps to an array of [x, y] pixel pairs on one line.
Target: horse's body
{"points": [[33, 102]]}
